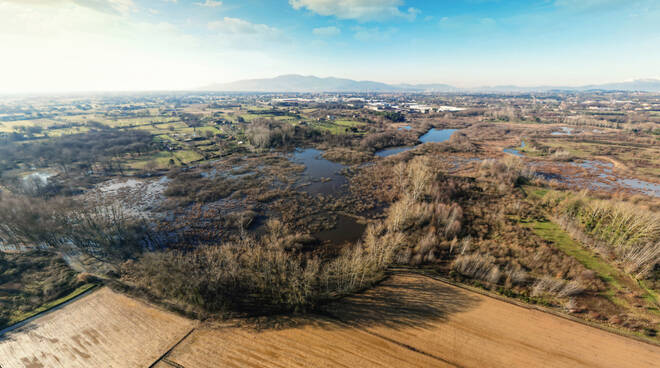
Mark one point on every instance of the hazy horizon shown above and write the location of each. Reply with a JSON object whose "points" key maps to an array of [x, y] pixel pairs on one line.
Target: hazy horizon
{"points": [[169, 45]]}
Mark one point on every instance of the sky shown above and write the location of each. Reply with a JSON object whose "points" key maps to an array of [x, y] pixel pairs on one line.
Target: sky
{"points": [[125, 45]]}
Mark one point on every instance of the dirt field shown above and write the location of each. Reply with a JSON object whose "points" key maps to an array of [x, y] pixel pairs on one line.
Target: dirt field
{"points": [[103, 329], [408, 321], [472, 330], [415, 321], [301, 342]]}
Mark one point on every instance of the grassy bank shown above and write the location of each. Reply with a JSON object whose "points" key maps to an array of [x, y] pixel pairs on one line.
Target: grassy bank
{"points": [[22, 316]]}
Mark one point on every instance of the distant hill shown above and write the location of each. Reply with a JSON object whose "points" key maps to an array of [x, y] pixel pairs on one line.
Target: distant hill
{"points": [[647, 85], [311, 84], [299, 83], [641, 85]]}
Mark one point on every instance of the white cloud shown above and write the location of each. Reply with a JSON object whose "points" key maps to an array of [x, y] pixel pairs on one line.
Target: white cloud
{"points": [[210, 3], [361, 10], [238, 26], [240, 34], [365, 34], [327, 31]]}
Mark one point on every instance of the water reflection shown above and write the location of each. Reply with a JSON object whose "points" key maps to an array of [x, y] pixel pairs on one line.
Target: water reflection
{"points": [[437, 135], [604, 173], [564, 131], [514, 151], [392, 151], [432, 136], [346, 230], [321, 176]]}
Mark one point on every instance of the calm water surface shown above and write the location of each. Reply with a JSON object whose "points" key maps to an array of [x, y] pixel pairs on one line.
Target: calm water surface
{"points": [[432, 136], [324, 175]]}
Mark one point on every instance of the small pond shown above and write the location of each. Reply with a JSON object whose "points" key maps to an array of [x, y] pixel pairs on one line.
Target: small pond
{"points": [[604, 173], [432, 136], [347, 230], [514, 151], [437, 135], [323, 176], [564, 131], [648, 188]]}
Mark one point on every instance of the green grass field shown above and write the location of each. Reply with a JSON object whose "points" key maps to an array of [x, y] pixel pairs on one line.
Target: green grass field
{"points": [[553, 233], [349, 123], [187, 156]]}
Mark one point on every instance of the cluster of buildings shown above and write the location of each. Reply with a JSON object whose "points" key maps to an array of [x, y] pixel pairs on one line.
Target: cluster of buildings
{"points": [[409, 107]]}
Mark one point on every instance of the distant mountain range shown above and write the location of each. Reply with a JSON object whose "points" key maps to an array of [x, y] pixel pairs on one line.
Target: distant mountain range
{"points": [[311, 84]]}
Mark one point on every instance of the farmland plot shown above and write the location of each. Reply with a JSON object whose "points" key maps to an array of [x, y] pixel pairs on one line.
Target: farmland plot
{"points": [[473, 330], [407, 321], [412, 320], [304, 342], [104, 329]]}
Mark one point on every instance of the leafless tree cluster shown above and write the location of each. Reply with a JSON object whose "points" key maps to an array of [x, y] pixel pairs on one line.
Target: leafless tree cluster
{"points": [[261, 276], [104, 232]]}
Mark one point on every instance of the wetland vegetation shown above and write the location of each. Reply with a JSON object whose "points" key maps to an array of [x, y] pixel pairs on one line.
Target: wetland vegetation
{"points": [[244, 205]]}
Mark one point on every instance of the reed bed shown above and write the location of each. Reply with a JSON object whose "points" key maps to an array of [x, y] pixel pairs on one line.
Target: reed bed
{"points": [[629, 233]]}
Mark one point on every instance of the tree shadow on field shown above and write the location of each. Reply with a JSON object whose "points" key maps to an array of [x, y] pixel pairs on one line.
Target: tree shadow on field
{"points": [[401, 301]]}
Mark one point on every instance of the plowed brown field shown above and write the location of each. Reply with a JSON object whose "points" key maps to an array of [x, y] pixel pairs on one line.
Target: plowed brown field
{"points": [[103, 329], [473, 330], [412, 320], [407, 321], [314, 342]]}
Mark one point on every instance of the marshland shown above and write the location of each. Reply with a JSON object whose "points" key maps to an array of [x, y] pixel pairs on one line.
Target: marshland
{"points": [[222, 207]]}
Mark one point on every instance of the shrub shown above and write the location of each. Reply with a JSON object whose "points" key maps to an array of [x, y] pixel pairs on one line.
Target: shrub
{"points": [[549, 286], [261, 277], [509, 171], [375, 141], [269, 133], [630, 232], [346, 156], [459, 142], [478, 267], [563, 156], [515, 276], [407, 213]]}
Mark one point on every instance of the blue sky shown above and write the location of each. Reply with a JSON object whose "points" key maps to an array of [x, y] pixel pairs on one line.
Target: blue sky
{"points": [[62, 45]]}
